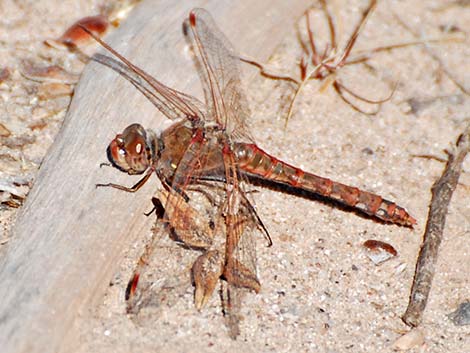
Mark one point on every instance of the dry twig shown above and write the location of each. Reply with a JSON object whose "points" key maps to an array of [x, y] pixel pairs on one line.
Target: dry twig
{"points": [[324, 64], [442, 192]]}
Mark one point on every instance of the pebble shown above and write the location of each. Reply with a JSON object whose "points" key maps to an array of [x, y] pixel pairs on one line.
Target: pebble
{"points": [[461, 316], [378, 251], [409, 340]]}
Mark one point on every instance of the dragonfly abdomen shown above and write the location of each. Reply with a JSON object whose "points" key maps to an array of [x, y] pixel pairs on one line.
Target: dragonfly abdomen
{"points": [[254, 161]]}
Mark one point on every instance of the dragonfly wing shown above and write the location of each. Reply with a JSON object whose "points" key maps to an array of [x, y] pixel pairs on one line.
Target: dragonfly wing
{"points": [[172, 103], [153, 286], [240, 257], [240, 222], [232, 253], [240, 247], [231, 304], [189, 223], [220, 74]]}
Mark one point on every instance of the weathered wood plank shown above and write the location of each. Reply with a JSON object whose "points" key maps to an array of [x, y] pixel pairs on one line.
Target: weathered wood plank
{"points": [[69, 236]]}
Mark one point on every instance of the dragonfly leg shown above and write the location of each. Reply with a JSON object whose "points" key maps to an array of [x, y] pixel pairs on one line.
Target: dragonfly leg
{"points": [[134, 188], [206, 272]]}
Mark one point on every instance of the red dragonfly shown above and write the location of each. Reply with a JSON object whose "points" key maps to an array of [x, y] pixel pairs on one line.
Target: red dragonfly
{"points": [[208, 151]]}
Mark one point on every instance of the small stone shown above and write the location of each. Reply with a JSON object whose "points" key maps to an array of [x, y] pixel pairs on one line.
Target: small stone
{"points": [[378, 251], [50, 73], [461, 316], [50, 90], [4, 131], [400, 268], [4, 74], [409, 340], [75, 36]]}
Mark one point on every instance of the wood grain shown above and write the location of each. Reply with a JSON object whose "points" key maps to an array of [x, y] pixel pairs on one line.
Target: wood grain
{"points": [[70, 236]]}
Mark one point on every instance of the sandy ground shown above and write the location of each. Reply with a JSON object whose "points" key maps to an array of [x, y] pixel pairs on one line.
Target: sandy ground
{"points": [[319, 291]]}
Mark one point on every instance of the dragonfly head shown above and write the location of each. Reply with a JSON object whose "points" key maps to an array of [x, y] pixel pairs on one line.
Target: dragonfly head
{"points": [[131, 151]]}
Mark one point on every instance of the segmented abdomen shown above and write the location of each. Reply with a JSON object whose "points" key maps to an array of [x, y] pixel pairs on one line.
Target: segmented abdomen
{"points": [[254, 161]]}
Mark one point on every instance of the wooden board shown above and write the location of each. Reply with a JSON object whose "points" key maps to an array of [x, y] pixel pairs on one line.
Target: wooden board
{"points": [[70, 236]]}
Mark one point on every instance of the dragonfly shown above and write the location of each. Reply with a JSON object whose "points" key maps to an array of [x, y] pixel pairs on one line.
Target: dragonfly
{"points": [[208, 155]]}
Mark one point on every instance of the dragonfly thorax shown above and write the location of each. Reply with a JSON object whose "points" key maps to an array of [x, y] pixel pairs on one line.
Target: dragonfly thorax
{"points": [[133, 150]]}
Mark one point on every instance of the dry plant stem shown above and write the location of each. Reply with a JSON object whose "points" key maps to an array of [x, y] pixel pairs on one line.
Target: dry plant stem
{"points": [[267, 71], [442, 192], [327, 64]]}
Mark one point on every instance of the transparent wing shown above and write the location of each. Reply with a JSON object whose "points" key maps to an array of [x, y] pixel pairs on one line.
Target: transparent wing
{"points": [[242, 228], [172, 103], [207, 219], [187, 223], [220, 74], [240, 223]]}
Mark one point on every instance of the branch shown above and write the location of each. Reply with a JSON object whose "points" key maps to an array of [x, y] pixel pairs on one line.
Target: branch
{"points": [[442, 192]]}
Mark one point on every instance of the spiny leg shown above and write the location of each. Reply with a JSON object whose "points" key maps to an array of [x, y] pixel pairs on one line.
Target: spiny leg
{"points": [[134, 188]]}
